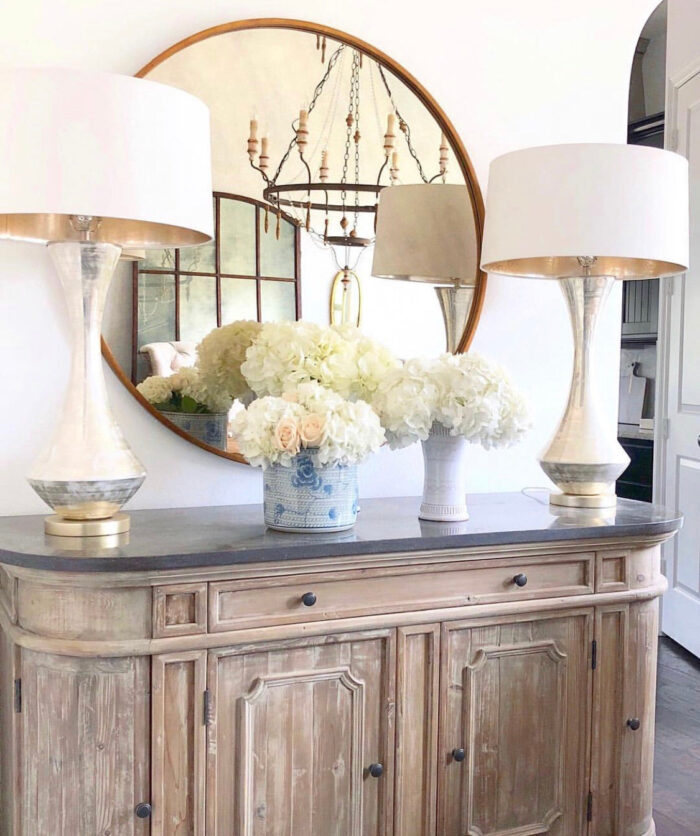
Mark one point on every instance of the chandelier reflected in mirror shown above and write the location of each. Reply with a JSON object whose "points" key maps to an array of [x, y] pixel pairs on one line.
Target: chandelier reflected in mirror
{"points": [[326, 141]]}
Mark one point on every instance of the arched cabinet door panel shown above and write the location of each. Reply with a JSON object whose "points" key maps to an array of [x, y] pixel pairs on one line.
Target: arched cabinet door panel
{"points": [[301, 737], [515, 725]]}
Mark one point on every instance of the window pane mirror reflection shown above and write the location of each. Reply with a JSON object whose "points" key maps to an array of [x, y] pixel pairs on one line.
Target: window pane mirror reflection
{"points": [[272, 259]]}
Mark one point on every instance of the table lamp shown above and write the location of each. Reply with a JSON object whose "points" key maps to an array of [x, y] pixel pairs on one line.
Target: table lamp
{"points": [[426, 233], [587, 215], [95, 163]]}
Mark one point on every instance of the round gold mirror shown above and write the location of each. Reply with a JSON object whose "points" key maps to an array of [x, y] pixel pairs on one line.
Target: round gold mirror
{"points": [[309, 126]]}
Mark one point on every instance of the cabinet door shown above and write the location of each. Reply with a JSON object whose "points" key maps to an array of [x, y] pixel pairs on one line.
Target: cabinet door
{"points": [[516, 697], [85, 753], [295, 727], [179, 745], [624, 689]]}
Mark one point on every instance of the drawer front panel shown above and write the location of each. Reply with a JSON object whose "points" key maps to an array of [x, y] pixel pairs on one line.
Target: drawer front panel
{"points": [[287, 600]]}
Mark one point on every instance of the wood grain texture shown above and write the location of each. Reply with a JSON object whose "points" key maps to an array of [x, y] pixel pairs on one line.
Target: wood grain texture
{"points": [[417, 698], [85, 745], [612, 631], [9, 739], [8, 594], [305, 701], [637, 755], [179, 741], [78, 613], [296, 726], [345, 594], [516, 698], [180, 610]]}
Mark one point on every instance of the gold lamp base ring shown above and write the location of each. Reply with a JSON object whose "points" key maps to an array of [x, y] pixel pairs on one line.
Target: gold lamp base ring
{"points": [[569, 500], [62, 527]]}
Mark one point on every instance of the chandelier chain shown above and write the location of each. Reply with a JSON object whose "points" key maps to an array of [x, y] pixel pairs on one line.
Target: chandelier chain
{"points": [[317, 92], [357, 138], [403, 124]]}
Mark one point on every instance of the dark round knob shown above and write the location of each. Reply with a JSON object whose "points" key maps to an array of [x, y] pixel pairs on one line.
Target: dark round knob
{"points": [[376, 770], [634, 723], [143, 811], [520, 579], [308, 599], [459, 755]]}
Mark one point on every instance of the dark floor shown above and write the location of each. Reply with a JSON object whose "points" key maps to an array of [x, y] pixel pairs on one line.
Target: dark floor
{"points": [[677, 756]]}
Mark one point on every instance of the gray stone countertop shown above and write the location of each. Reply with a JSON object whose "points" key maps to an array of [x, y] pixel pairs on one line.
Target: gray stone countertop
{"points": [[224, 535]]}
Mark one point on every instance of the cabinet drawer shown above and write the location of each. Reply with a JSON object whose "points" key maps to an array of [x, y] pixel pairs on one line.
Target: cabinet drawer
{"points": [[253, 603]]}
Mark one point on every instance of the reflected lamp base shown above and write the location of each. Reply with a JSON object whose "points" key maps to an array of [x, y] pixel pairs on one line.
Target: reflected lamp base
{"points": [[455, 304]]}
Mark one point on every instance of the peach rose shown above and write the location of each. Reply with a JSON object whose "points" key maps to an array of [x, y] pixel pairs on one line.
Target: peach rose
{"points": [[287, 436], [311, 429]]}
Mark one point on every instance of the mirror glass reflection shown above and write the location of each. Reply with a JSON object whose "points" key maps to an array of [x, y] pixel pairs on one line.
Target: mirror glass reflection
{"points": [[306, 131]]}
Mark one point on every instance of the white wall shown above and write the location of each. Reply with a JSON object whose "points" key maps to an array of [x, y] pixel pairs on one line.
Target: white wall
{"points": [[509, 74]]}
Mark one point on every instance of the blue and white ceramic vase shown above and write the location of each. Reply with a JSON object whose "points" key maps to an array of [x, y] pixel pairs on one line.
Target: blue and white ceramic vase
{"points": [[210, 428], [310, 497]]}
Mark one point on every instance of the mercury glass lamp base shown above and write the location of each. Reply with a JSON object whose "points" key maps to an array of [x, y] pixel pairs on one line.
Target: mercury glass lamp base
{"points": [[455, 304], [569, 500], [87, 471], [61, 527], [584, 457]]}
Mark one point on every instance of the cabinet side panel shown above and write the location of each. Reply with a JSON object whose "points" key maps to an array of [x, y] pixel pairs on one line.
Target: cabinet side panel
{"points": [[608, 718], [416, 730], [9, 800], [84, 745], [178, 744], [640, 695]]}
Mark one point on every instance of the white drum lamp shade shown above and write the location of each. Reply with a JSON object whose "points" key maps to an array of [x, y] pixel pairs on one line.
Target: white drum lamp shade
{"points": [[94, 163], [132, 152], [627, 205], [426, 233]]}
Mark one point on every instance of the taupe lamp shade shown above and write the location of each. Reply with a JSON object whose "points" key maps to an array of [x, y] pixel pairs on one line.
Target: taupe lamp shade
{"points": [[625, 205], [426, 233], [132, 152]]}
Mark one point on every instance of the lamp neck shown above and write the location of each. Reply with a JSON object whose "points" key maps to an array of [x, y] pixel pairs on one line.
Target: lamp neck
{"points": [[85, 225]]}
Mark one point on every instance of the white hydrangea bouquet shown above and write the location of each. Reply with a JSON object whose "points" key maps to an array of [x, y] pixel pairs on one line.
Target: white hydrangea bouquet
{"points": [[286, 354], [220, 356], [186, 401], [446, 402], [184, 391], [308, 442]]}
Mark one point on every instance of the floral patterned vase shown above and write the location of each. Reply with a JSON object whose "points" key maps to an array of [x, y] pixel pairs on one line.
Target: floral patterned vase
{"points": [[444, 490], [310, 497], [212, 428]]}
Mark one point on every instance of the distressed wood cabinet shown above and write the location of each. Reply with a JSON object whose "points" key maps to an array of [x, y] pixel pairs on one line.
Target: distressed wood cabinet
{"points": [[465, 690]]}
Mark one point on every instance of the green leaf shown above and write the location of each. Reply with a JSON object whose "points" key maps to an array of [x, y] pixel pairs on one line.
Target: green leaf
{"points": [[189, 405]]}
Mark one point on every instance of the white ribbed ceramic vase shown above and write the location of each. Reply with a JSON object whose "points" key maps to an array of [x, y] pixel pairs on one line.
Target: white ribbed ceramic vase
{"points": [[444, 491]]}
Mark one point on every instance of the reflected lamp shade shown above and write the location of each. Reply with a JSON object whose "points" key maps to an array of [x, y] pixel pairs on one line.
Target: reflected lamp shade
{"points": [[132, 152], [625, 205], [426, 233]]}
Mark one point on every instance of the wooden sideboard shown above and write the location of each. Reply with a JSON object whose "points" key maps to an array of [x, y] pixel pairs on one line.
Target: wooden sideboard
{"points": [[488, 678]]}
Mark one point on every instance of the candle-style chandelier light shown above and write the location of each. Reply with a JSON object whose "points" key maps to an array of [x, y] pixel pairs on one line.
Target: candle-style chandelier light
{"points": [[313, 189]]}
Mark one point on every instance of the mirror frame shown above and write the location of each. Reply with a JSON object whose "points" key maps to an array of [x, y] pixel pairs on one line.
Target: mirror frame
{"points": [[431, 106]]}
